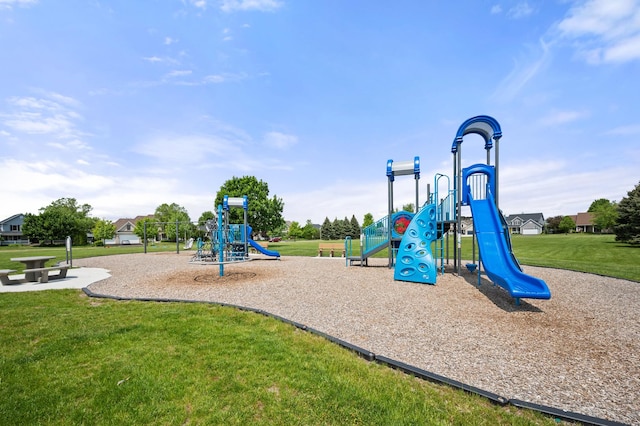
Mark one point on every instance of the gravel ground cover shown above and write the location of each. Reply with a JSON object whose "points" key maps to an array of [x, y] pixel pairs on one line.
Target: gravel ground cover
{"points": [[579, 351]]}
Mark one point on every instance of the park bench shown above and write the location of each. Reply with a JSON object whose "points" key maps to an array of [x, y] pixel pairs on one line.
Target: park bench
{"points": [[4, 277], [44, 272], [331, 247]]}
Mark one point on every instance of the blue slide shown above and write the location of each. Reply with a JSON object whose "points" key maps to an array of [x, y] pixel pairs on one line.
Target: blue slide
{"points": [[498, 260], [263, 250]]}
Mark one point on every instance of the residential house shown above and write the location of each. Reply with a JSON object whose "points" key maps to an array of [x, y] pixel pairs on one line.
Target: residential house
{"points": [[125, 231], [584, 223], [525, 223], [11, 230]]}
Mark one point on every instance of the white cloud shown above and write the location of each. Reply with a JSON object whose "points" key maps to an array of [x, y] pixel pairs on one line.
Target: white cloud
{"points": [[8, 4], [496, 9], [178, 73], [633, 129], [280, 140], [246, 5], [169, 41], [520, 10], [604, 31], [555, 118], [524, 70], [40, 116]]}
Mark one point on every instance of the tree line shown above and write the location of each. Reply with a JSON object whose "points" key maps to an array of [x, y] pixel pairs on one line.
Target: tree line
{"points": [[66, 217]]}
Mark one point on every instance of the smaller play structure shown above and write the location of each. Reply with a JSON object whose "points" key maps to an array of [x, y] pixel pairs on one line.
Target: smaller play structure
{"points": [[229, 243], [417, 243]]}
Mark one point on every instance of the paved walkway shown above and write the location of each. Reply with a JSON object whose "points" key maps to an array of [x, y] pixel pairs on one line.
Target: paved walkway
{"points": [[76, 278]]}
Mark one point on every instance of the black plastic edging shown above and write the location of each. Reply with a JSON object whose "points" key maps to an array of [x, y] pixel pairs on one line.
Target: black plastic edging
{"points": [[406, 368], [364, 353], [564, 415], [433, 377]]}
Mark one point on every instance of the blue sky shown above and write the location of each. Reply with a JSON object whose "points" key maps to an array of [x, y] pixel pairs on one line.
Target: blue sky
{"points": [[126, 105]]}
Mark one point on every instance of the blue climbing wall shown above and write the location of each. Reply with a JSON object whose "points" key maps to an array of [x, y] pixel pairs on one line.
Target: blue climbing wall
{"points": [[415, 262]]}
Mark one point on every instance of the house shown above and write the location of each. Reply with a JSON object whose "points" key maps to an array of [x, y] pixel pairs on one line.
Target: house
{"points": [[125, 231], [584, 223], [11, 230], [525, 223]]}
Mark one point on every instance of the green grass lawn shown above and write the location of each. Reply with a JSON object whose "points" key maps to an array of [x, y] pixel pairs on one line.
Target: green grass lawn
{"points": [[67, 359]]}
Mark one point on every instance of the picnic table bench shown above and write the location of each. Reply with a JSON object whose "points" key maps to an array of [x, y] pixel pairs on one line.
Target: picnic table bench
{"points": [[331, 247], [44, 272], [4, 277]]}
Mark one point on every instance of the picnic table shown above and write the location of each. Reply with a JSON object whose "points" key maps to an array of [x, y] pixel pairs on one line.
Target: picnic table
{"points": [[33, 262]]}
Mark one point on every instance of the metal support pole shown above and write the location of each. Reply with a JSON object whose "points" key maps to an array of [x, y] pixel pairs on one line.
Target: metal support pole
{"points": [[390, 196], [417, 177], [455, 193], [459, 209], [220, 241], [177, 238], [496, 174]]}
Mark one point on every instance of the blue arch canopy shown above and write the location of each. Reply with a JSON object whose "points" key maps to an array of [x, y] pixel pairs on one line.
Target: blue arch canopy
{"points": [[483, 125]]}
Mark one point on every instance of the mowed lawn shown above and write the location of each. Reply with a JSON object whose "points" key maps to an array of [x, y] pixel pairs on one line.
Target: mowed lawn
{"points": [[68, 359]]}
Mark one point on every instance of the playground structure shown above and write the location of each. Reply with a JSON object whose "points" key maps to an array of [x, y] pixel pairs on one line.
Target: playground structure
{"points": [[417, 243], [229, 243]]}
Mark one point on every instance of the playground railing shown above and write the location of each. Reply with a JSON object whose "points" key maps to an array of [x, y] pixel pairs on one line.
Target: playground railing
{"points": [[376, 235], [447, 210]]}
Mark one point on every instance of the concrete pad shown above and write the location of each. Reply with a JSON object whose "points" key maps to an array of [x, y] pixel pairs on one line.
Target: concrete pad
{"points": [[76, 278]]}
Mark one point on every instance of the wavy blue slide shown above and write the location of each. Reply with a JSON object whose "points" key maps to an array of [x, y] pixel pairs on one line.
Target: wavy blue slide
{"points": [[496, 256]]}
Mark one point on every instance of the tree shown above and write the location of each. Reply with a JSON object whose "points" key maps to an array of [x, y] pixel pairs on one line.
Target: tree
{"points": [[62, 218], [310, 232], [168, 215], [103, 229], [600, 202], [605, 215], [338, 229], [368, 220], [553, 224], [326, 230], [566, 225], [205, 216], [264, 213], [355, 227], [627, 228], [151, 227], [294, 230], [409, 207]]}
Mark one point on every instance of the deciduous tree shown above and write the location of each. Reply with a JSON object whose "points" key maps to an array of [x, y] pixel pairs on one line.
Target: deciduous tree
{"points": [[368, 220], [566, 225], [264, 213], [103, 229]]}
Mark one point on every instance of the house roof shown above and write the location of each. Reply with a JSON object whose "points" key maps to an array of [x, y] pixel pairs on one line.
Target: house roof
{"points": [[121, 223], [584, 219], [9, 219], [526, 217]]}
